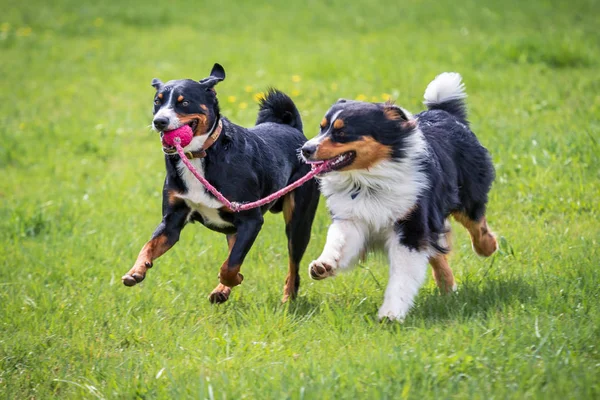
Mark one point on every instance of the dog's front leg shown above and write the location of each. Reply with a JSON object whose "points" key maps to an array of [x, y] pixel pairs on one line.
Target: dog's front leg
{"points": [[407, 273], [164, 237], [248, 225], [346, 241]]}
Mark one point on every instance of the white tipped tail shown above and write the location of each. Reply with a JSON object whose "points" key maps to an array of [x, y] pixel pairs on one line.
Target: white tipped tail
{"points": [[447, 86]]}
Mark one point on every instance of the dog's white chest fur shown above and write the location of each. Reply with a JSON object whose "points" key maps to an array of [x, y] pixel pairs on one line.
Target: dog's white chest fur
{"points": [[377, 197], [197, 198]]}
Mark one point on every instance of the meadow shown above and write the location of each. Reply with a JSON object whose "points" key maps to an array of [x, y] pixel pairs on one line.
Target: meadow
{"points": [[80, 193]]}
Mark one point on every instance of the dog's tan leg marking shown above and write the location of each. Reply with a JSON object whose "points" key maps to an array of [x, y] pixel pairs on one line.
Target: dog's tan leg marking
{"points": [[442, 273], [220, 294], [290, 288], [484, 241], [155, 248]]}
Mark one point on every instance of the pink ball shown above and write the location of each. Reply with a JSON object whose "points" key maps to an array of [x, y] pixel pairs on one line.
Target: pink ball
{"points": [[184, 133]]}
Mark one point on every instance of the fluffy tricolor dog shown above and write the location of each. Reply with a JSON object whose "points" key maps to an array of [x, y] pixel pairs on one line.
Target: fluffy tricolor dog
{"points": [[394, 179], [243, 164]]}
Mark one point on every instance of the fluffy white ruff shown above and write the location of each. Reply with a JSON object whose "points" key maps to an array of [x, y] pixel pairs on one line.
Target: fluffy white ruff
{"points": [[379, 196], [447, 86]]}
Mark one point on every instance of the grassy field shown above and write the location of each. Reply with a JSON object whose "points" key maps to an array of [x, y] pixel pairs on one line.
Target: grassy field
{"points": [[82, 174]]}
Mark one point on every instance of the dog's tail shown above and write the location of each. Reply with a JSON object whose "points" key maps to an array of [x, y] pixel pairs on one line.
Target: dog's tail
{"points": [[447, 92], [277, 107]]}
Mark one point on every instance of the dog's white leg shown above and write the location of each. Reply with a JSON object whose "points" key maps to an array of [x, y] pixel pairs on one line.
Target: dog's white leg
{"points": [[346, 241], [407, 274]]}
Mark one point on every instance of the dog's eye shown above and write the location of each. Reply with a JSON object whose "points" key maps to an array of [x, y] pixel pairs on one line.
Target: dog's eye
{"points": [[157, 102], [340, 134], [185, 103]]}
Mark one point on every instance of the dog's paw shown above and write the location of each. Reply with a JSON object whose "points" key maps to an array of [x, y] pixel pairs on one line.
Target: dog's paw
{"points": [[391, 312], [136, 274], [321, 269], [220, 294]]}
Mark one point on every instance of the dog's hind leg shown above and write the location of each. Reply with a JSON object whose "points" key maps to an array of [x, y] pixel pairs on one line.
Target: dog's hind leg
{"points": [[442, 273], [299, 208], [483, 240], [220, 294]]}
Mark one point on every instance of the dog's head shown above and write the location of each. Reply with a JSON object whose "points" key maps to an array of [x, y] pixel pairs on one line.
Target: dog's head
{"points": [[187, 102], [357, 135]]}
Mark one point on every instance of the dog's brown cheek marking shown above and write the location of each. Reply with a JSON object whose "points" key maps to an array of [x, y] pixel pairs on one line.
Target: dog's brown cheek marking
{"points": [[368, 152], [442, 273], [202, 125], [484, 241]]}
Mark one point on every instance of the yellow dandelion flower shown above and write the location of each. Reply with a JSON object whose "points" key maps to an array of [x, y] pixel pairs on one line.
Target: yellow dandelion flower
{"points": [[334, 86], [25, 31], [231, 99], [98, 22], [258, 96], [243, 105], [296, 78], [249, 89], [386, 96], [5, 27], [361, 97], [295, 92]]}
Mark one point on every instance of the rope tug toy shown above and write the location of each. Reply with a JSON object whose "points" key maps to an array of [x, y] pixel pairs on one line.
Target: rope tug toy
{"points": [[182, 136]]}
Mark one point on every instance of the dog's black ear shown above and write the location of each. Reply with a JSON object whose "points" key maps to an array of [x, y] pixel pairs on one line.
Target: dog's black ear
{"points": [[157, 83], [217, 74], [341, 101]]}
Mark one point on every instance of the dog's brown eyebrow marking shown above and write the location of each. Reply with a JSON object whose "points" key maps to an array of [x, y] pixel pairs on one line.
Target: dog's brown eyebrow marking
{"points": [[338, 124], [160, 96], [324, 123], [203, 106], [180, 98]]}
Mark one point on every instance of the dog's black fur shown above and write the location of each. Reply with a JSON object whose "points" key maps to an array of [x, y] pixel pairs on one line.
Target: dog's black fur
{"points": [[244, 164]]}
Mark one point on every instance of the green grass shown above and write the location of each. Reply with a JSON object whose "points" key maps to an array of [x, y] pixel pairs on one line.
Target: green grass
{"points": [[82, 174]]}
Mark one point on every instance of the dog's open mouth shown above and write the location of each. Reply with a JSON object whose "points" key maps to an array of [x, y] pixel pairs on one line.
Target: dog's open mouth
{"points": [[335, 163]]}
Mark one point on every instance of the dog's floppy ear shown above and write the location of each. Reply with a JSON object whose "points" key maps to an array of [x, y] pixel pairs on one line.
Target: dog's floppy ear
{"points": [[341, 101], [217, 74], [157, 83], [395, 113]]}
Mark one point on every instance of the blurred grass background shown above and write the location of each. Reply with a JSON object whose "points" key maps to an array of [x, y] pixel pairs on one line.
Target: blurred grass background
{"points": [[82, 174]]}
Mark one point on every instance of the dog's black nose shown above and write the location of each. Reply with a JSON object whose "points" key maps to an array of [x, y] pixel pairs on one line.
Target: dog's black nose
{"points": [[161, 123], [308, 150]]}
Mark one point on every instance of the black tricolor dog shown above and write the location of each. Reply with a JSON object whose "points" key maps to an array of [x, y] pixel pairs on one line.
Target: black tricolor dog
{"points": [[393, 182], [243, 164]]}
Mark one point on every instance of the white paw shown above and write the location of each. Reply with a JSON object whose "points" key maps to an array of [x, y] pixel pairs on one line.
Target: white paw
{"points": [[321, 269], [394, 311]]}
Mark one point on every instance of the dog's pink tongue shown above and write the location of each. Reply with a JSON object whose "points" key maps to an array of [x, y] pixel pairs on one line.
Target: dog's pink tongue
{"points": [[184, 133]]}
